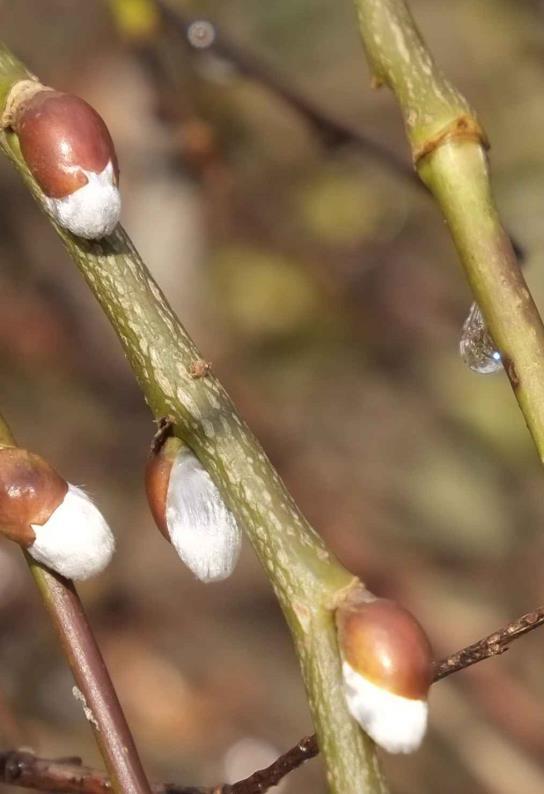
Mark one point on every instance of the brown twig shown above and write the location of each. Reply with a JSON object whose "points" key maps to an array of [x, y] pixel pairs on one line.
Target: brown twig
{"points": [[264, 779], [94, 689], [24, 769], [493, 645], [94, 686], [21, 768]]}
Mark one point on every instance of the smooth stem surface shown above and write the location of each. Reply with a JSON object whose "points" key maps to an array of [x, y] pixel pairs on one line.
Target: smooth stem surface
{"points": [[307, 579], [448, 147], [398, 56], [96, 692], [457, 175]]}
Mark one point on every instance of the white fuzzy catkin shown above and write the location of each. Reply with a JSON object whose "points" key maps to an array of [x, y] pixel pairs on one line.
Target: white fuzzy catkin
{"points": [[75, 541], [396, 723], [91, 211], [202, 529]]}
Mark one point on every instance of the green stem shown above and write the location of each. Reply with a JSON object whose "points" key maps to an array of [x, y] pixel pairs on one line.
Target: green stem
{"points": [[449, 150], [307, 579]]}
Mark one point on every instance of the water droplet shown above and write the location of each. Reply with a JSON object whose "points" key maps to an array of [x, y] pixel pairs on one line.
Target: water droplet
{"points": [[477, 348], [201, 34]]}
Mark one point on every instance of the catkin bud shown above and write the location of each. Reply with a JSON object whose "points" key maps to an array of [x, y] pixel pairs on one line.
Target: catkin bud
{"points": [[190, 512], [56, 522], [70, 153], [387, 669]]}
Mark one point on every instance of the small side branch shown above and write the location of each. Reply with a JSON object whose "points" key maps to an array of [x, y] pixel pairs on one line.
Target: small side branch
{"points": [[264, 779], [493, 645], [67, 775], [94, 686], [24, 769]]}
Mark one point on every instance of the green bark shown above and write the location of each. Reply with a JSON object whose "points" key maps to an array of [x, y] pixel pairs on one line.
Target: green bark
{"points": [[307, 579], [449, 150]]}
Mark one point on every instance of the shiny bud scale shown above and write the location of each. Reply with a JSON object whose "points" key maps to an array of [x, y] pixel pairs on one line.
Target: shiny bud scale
{"points": [[69, 151], [54, 521], [387, 669]]}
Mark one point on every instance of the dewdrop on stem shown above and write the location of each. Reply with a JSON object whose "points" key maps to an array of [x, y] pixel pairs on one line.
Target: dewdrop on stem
{"points": [[54, 521], [190, 512], [69, 152], [477, 348], [387, 670]]}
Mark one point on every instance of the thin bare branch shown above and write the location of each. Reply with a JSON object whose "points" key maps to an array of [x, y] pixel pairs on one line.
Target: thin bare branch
{"points": [[68, 775], [264, 779], [493, 645], [330, 131], [24, 769], [95, 689]]}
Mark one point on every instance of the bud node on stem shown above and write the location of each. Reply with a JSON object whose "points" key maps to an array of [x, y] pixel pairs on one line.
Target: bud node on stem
{"points": [[387, 669], [20, 93], [463, 128]]}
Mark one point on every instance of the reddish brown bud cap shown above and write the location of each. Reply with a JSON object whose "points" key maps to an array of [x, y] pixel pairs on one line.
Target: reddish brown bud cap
{"points": [[61, 136], [384, 642], [157, 479], [30, 490]]}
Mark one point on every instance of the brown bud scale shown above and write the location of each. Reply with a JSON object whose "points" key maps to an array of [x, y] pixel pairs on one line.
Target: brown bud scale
{"points": [[61, 136], [30, 490], [157, 478], [384, 642]]}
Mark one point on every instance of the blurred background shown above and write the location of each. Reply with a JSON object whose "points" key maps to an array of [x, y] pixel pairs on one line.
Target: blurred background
{"points": [[320, 281]]}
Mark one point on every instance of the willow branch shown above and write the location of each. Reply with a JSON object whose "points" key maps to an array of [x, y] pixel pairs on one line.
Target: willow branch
{"points": [[96, 692], [24, 769], [264, 779], [307, 579], [71, 776], [18, 768], [494, 644], [449, 152], [94, 686]]}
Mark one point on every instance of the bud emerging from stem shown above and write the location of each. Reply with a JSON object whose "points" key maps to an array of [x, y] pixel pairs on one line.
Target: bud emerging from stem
{"points": [[70, 153], [54, 521], [387, 670], [190, 512]]}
